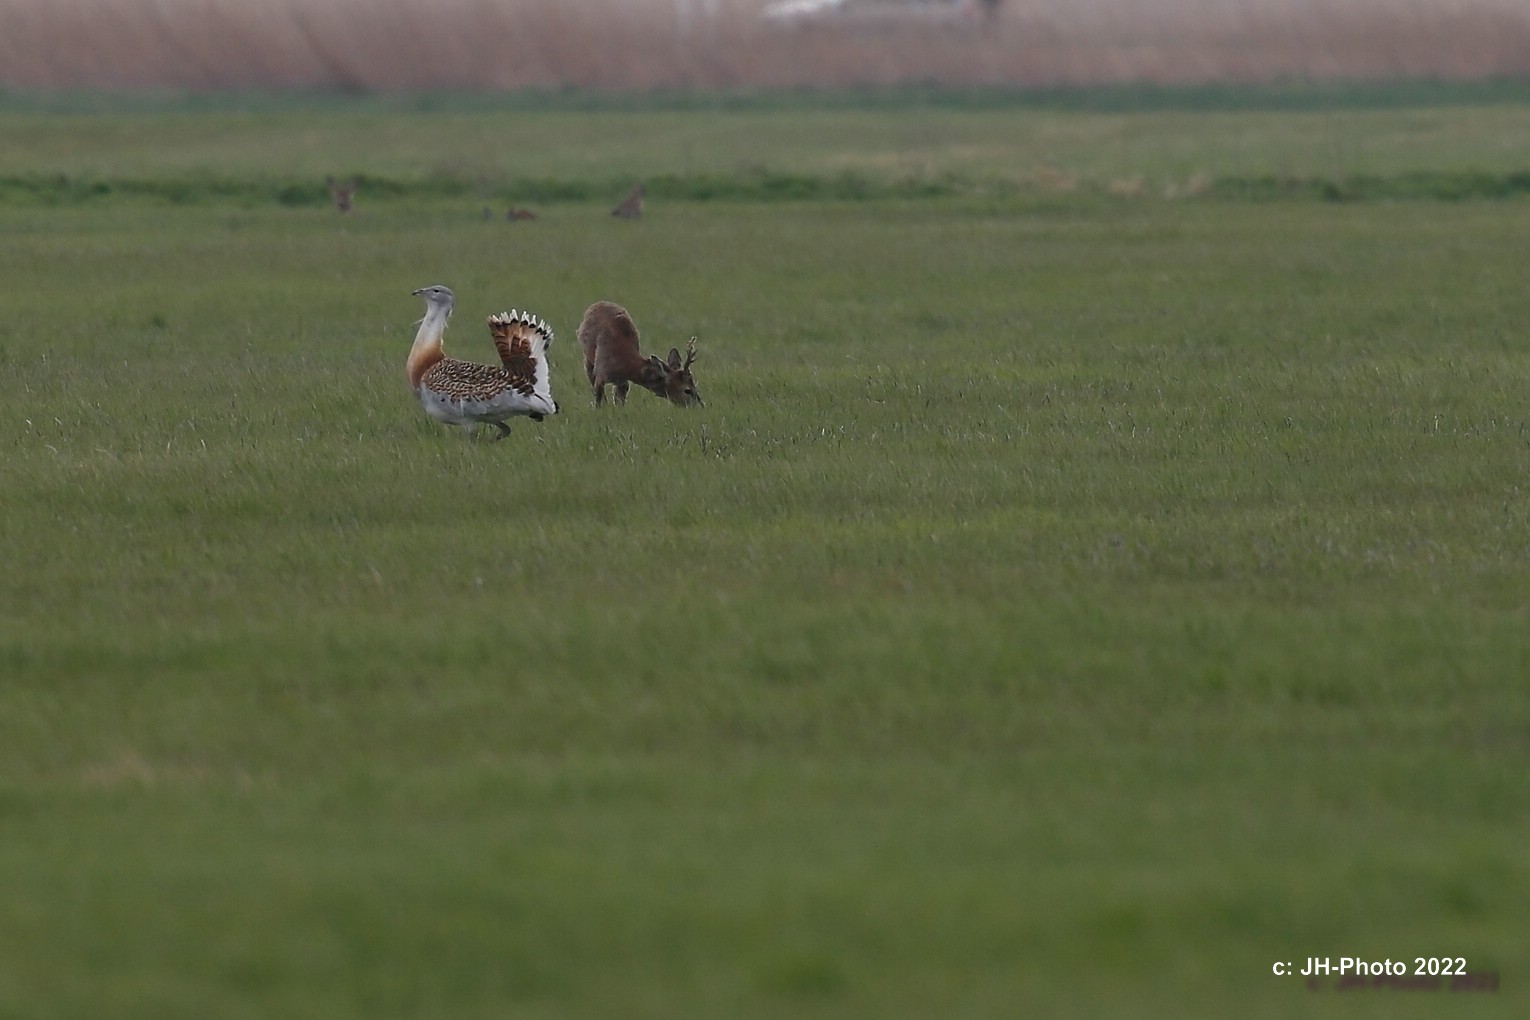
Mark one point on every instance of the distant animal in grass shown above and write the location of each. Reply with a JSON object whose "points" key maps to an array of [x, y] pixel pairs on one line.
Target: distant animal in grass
{"points": [[612, 357], [519, 214], [631, 207], [466, 394], [343, 195]]}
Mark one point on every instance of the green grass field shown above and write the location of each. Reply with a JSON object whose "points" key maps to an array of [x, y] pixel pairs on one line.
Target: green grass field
{"points": [[1067, 604]]}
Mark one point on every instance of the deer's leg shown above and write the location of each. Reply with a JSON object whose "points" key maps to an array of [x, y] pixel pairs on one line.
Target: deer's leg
{"points": [[621, 392]]}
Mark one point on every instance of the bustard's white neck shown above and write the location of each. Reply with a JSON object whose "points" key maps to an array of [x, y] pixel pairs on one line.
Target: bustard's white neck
{"points": [[428, 340]]}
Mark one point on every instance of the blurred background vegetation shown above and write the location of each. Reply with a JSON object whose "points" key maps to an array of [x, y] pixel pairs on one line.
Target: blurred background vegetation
{"points": [[392, 45]]}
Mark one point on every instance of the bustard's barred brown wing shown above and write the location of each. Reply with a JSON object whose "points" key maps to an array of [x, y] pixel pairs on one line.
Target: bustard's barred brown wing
{"points": [[522, 341]]}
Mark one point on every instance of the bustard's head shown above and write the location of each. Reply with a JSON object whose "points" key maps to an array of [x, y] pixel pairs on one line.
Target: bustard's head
{"points": [[437, 297]]}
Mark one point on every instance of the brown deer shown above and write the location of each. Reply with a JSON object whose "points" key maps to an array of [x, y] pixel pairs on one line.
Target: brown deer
{"points": [[611, 356], [631, 207], [514, 214], [342, 194]]}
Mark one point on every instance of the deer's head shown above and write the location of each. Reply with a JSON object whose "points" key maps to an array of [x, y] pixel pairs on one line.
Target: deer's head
{"points": [[672, 379]]}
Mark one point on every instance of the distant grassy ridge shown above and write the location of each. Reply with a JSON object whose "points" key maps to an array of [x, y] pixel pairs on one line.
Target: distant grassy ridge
{"points": [[1412, 141], [764, 186], [1450, 187], [1288, 95]]}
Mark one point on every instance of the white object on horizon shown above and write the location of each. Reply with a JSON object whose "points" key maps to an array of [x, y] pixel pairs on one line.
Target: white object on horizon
{"points": [[785, 11], [788, 10]]}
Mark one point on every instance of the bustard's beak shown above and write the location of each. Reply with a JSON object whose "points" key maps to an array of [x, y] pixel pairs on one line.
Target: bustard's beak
{"points": [[417, 293]]}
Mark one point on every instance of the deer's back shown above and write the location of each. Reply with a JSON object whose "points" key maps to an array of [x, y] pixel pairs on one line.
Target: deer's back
{"points": [[607, 334]]}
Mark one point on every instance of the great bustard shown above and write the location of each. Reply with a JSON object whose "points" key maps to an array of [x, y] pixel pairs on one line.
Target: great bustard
{"points": [[463, 393]]}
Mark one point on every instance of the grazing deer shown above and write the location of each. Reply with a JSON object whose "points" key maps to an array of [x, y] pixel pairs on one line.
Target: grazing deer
{"points": [[342, 195], [611, 356], [631, 207], [519, 214]]}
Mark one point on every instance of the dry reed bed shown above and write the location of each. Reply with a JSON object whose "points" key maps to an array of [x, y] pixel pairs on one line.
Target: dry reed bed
{"points": [[391, 45]]}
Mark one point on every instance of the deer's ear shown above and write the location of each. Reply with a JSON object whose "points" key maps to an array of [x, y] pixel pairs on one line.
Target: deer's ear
{"points": [[674, 359], [657, 366]]}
